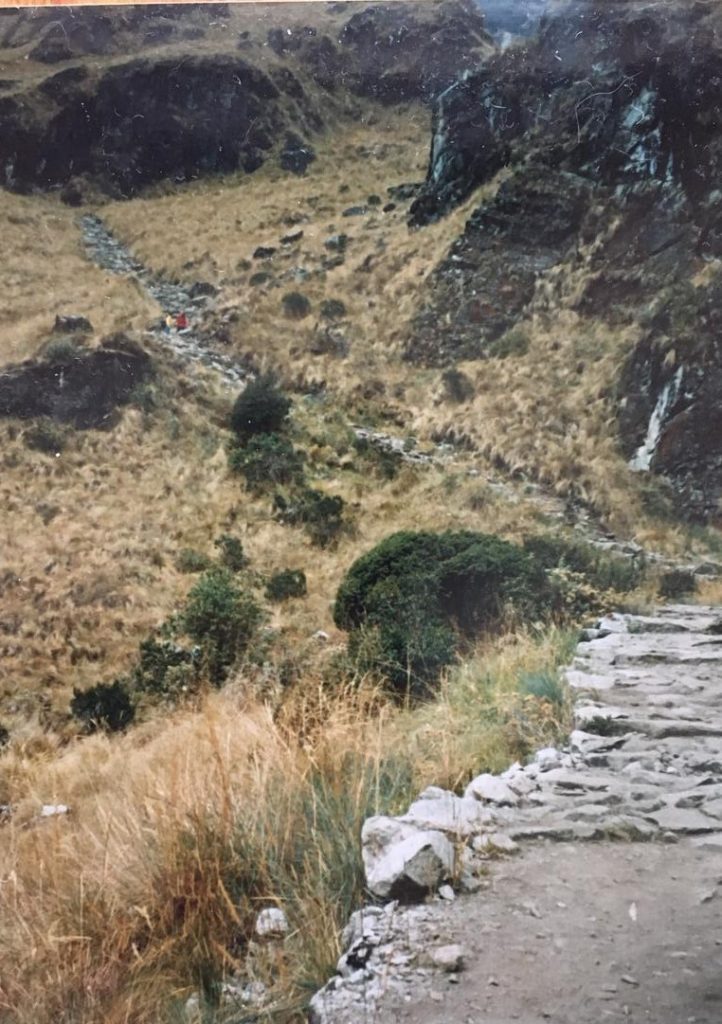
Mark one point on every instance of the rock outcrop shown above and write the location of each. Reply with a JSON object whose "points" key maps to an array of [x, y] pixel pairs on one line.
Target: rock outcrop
{"points": [[83, 388], [610, 123]]}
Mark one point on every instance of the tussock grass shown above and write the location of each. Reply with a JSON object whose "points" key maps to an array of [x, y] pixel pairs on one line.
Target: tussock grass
{"points": [[181, 831]]}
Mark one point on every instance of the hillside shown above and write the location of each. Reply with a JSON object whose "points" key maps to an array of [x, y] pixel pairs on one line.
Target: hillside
{"points": [[483, 267]]}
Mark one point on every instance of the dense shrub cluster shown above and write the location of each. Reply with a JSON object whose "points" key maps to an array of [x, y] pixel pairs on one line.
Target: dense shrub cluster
{"points": [[231, 553], [409, 601], [221, 619]]}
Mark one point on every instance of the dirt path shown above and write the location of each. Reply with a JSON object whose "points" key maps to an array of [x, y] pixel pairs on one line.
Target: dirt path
{"points": [[575, 929]]}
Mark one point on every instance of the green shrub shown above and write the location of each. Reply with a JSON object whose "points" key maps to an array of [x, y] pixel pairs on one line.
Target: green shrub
{"points": [[286, 583], [165, 668], [231, 552], [104, 706], [261, 408], [295, 305], [221, 619], [677, 583], [267, 460], [415, 596], [62, 351], [189, 560], [602, 569], [332, 309], [322, 515], [458, 387], [45, 436]]}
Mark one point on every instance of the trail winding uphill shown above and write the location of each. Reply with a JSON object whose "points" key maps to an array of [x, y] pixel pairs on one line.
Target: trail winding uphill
{"points": [[610, 912]]}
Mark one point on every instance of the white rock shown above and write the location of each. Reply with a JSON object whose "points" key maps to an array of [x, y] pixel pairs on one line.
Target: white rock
{"points": [[410, 868], [491, 789], [449, 958], [548, 758], [447, 893], [494, 842], [53, 810], [460, 816], [271, 923]]}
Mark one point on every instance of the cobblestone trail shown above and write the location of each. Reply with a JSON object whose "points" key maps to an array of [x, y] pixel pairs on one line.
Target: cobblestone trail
{"points": [[192, 344], [610, 910]]}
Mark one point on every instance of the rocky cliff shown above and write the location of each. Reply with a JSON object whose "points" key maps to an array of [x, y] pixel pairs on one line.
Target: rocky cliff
{"points": [[608, 129]]}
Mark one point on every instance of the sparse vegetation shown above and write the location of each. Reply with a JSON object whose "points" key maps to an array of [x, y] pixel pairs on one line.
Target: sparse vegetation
{"points": [[188, 560]]}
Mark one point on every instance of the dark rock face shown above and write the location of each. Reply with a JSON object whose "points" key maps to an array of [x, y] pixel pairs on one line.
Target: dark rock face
{"points": [[396, 56], [144, 121], [490, 273], [611, 123], [83, 390], [670, 396]]}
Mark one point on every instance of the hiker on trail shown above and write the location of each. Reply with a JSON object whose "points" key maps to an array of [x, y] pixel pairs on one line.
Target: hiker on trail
{"points": [[181, 322], [169, 323]]}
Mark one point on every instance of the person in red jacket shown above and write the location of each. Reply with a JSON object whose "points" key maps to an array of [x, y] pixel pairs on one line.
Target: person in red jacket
{"points": [[181, 321]]}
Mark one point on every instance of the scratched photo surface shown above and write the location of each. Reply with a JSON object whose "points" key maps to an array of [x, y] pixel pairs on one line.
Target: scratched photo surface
{"points": [[361, 512]]}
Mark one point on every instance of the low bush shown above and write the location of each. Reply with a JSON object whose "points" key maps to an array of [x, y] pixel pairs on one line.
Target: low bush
{"points": [[267, 460], [221, 619], [62, 351], [332, 309], [385, 462], [295, 305], [188, 560], [285, 584], [602, 569], [231, 553], [410, 601], [677, 583], [544, 685], [165, 669], [322, 515], [458, 387], [45, 436], [261, 408], [104, 706]]}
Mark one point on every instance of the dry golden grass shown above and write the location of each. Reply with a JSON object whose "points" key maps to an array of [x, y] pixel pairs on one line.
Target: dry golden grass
{"points": [[178, 835]]}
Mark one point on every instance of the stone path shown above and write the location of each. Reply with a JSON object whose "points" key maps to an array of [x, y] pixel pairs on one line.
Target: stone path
{"points": [[193, 344], [576, 928]]}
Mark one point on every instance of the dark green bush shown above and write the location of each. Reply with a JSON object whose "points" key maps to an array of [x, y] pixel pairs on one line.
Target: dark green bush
{"points": [[457, 386], [285, 584], [104, 706], [267, 460], [295, 305], [677, 583], [165, 668], [413, 598], [221, 619], [231, 552], [261, 408], [322, 515], [189, 560], [332, 309]]}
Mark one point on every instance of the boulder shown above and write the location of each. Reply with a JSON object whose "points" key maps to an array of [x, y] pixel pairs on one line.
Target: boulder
{"points": [[402, 862], [492, 790]]}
